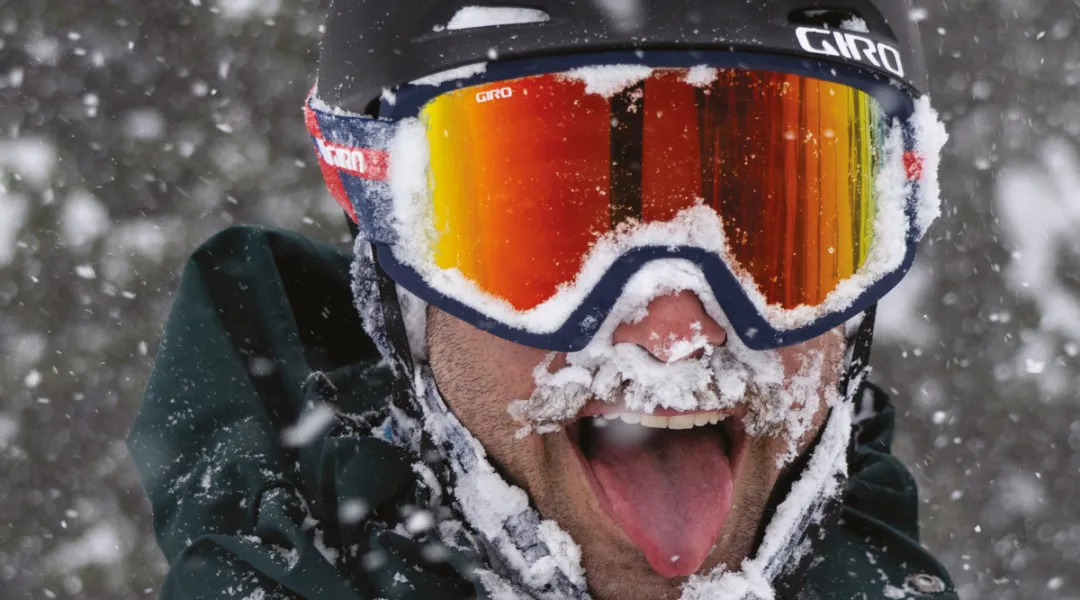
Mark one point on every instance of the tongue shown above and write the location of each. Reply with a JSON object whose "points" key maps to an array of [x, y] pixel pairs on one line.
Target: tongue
{"points": [[671, 493]]}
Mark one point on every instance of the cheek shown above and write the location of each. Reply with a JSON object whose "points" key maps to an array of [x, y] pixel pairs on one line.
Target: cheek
{"points": [[479, 374], [829, 347]]}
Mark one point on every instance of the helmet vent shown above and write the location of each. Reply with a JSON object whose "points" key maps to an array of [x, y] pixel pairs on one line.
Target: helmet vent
{"points": [[475, 17], [829, 18]]}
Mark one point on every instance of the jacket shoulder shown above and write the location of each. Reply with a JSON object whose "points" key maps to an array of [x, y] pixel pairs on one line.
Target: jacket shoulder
{"points": [[262, 344], [275, 285], [873, 549]]}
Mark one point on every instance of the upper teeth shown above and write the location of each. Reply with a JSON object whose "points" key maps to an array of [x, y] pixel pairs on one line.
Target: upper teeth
{"points": [[676, 422]]}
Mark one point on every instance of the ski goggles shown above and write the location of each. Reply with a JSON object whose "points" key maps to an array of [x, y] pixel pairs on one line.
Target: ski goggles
{"points": [[523, 196]]}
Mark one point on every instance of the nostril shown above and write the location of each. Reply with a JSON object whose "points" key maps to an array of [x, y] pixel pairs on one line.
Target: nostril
{"points": [[696, 354], [675, 327]]}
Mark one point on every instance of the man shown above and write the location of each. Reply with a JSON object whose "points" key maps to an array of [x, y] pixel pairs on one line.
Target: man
{"points": [[620, 267]]}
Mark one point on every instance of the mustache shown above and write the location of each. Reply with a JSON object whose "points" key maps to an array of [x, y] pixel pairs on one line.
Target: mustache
{"points": [[716, 381], [778, 403]]}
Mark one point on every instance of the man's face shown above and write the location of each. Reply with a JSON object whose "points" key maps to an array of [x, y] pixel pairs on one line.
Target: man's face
{"points": [[648, 506]]}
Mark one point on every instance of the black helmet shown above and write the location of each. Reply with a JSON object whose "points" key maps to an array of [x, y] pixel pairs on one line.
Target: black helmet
{"points": [[372, 45]]}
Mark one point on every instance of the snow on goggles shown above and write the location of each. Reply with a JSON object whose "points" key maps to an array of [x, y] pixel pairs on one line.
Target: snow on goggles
{"points": [[522, 198]]}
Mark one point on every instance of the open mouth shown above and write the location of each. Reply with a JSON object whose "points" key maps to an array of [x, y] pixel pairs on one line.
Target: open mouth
{"points": [[664, 478]]}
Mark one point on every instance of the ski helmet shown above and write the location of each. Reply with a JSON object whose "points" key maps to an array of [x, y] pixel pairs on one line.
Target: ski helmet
{"points": [[372, 45]]}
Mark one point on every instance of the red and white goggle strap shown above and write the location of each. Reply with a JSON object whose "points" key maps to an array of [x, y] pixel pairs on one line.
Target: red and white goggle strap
{"points": [[353, 154]]}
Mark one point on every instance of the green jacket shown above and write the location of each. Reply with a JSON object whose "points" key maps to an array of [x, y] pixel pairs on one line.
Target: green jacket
{"points": [[262, 325]]}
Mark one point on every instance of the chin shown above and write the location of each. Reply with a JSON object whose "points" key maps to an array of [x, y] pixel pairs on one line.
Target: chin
{"points": [[569, 490]]}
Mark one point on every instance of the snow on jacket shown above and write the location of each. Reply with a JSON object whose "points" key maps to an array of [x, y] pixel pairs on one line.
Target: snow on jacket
{"points": [[262, 330]]}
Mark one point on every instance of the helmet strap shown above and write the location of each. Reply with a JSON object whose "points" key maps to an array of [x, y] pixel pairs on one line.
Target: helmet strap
{"points": [[858, 353], [394, 323], [397, 339]]}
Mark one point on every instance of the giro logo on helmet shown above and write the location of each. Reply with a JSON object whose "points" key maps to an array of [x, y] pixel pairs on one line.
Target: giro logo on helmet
{"points": [[850, 46], [499, 94]]}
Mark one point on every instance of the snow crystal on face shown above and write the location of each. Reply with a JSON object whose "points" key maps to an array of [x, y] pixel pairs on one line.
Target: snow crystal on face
{"points": [[311, 424], [441, 77], [608, 80], [779, 402], [469, 17]]}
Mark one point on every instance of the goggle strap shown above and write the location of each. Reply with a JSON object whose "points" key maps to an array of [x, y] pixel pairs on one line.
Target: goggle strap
{"points": [[858, 358], [353, 154]]}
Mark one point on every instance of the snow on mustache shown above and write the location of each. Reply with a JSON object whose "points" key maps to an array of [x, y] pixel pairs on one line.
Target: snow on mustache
{"points": [[781, 400]]}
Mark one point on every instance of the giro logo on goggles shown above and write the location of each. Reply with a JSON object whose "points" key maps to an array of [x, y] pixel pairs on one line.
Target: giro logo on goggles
{"points": [[499, 94], [850, 46]]}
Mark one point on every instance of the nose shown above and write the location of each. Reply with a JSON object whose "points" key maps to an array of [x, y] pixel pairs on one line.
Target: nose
{"points": [[675, 327]]}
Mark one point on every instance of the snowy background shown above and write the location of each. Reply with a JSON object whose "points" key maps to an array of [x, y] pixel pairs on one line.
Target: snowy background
{"points": [[130, 131]]}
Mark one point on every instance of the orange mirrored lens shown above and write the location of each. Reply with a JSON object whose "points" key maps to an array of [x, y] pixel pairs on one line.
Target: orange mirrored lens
{"points": [[527, 174]]}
